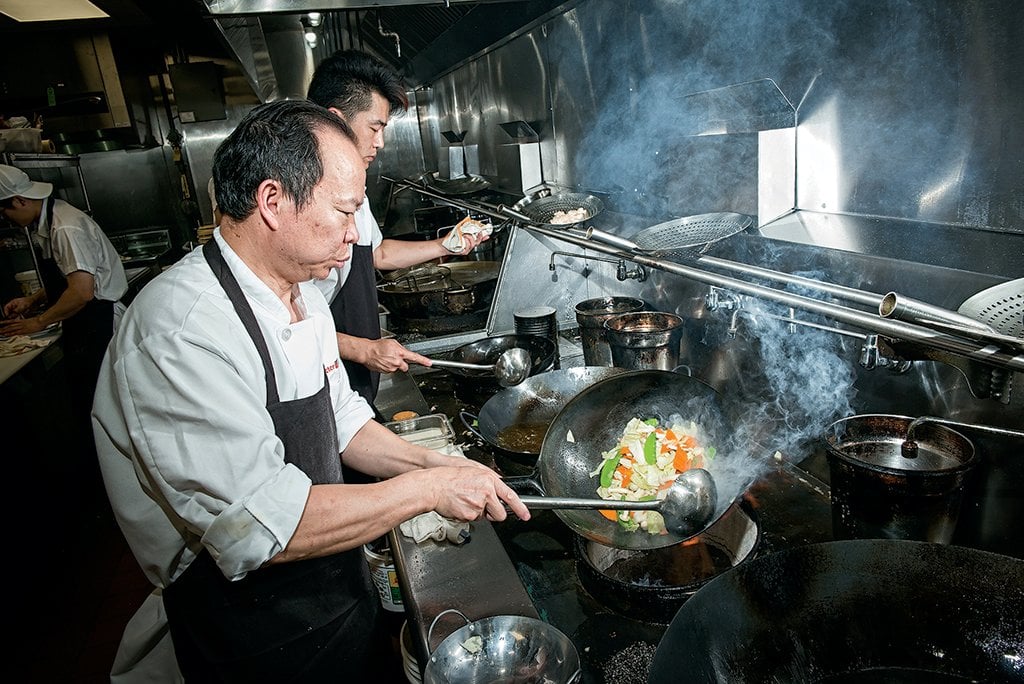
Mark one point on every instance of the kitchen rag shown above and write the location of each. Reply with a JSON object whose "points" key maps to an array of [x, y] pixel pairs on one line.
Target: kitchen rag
{"points": [[435, 526], [455, 242]]}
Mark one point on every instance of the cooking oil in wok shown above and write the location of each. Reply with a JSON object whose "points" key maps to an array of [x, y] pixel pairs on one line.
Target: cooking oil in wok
{"points": [[523, 437]]}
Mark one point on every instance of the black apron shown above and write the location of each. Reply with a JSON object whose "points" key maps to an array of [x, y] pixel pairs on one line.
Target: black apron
{"points": [[84, 336], [356, 313], [306, 621]]}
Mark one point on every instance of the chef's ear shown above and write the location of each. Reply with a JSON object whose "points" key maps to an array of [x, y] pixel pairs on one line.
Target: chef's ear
{"points": [[271, 202]]}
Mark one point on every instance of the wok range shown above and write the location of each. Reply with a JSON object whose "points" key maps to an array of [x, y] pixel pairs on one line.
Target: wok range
{"points": [[615, 618], [853, 611]]}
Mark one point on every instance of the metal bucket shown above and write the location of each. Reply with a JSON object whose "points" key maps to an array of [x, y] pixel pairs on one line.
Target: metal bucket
{"points": [[591, 315], [878, 492], [645, 340]]}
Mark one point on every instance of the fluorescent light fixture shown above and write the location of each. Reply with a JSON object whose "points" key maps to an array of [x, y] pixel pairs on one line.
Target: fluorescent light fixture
{"points": [[51, 10]]}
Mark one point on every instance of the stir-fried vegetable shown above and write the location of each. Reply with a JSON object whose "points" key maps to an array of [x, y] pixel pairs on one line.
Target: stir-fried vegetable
{"points": [[644, 464]]}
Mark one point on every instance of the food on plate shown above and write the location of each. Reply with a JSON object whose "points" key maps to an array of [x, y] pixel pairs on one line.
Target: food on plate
{"points": [[644, 464], [562, 218]]}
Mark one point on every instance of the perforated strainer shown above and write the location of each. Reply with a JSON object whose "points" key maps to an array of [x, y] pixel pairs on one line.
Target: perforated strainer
{"points": [[1000, 306], [542, 210], [680, 239]]}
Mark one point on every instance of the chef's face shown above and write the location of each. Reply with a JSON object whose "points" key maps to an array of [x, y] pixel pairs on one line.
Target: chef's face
{"points": [[19, 211], [325, 228], [369, 125]]}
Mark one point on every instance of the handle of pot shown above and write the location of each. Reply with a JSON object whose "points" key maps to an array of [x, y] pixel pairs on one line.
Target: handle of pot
{"points": [[464, 416], [942, 421], [433, 623]]}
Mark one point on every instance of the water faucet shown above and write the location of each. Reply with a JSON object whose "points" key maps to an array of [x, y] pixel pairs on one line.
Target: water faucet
{"points": [[877, 354], [622, 273]]}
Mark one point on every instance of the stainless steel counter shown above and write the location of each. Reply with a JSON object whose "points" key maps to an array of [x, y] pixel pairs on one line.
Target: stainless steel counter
{"points": [[477, 577]]}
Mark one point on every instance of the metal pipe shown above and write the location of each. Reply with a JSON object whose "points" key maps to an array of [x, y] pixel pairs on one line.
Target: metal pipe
{"points": [[987, 354]]}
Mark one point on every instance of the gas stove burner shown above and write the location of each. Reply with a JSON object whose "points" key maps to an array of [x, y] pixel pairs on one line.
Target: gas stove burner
{"points": [[653, 584]]}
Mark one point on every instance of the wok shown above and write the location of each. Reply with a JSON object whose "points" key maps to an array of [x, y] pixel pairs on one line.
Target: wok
{"points": [[514, 420], [853, 611], [485, 352], [596, 417]]}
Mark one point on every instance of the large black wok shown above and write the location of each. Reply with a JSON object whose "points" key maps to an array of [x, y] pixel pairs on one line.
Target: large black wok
{"points": [[596, 417], [514, 420], [853, 611]]}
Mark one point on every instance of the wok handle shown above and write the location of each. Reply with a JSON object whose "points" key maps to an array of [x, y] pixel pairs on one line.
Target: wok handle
{"points": [[562, 502], [524, 482], [441, 363], [465, 417], [613, 240]]}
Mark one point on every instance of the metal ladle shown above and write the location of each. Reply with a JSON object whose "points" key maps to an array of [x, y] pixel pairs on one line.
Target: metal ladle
{"points": [[687, 508], [511, 368]]}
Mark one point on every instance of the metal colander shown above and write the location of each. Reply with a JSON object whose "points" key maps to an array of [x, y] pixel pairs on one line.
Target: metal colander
{"points": [[690, 236], [418, 279], [1000, 306], [542, 209]]}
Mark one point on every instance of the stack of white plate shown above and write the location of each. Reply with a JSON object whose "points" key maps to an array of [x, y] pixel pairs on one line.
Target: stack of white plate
{"points": [[409, 662]]}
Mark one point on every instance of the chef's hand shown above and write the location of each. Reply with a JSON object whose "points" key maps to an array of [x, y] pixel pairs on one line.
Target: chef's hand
{"points": [[21, 326], [17, 306], [388, 356], [469, 242], [471, 493]]}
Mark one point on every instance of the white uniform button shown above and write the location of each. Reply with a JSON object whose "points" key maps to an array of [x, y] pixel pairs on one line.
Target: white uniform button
{"points": [[286, 334]]}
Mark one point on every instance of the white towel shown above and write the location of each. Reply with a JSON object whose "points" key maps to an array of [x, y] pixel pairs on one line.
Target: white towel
{"points": [[455, 241], [434, 526]]}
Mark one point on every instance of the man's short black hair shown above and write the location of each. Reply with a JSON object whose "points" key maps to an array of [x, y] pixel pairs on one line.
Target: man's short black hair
{"points": [[347, 80], [274, 141]]}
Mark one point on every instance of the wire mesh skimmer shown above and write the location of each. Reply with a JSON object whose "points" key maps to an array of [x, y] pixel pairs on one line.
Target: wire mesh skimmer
{"points": [[682, 238], [576, 207]]}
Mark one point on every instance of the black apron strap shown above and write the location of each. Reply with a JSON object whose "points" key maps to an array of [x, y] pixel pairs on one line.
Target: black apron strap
{"points": [[356, 313]]}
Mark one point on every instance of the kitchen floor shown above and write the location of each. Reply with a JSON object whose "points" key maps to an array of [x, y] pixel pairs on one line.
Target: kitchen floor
{"points": [[75, 582]]}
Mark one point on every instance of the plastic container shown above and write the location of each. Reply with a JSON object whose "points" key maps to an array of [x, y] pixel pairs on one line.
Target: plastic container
{"points": [[385, 576], [28, 281]]}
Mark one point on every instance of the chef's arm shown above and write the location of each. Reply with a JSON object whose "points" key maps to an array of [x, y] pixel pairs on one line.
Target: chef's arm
{"points": [[79, 292], [341, 517], [392, 254], [382, 356]]}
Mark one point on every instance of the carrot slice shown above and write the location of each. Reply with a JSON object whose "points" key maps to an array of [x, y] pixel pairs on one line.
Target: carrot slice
{"points": [[608, 514]]}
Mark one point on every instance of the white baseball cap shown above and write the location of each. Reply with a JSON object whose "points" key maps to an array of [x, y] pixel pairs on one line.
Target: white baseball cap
{"points": [[15, 183]]}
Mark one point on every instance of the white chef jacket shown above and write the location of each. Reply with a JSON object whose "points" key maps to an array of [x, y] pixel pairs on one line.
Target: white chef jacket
{"points": [[369, 236], [77, 243], [186, 445]]}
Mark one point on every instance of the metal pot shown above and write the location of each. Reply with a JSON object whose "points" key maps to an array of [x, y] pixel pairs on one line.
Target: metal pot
{"points": [[645, 340], [591, 315], [514, 420], [852, 611], [434, 294], [879, 492], [502, 648]]}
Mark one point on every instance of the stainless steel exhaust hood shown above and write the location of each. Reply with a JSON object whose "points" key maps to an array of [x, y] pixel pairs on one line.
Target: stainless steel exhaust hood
{"points": [[422, 39]]}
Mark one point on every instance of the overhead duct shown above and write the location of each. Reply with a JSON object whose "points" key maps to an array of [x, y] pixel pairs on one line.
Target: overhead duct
{"points": [[272, 52]]}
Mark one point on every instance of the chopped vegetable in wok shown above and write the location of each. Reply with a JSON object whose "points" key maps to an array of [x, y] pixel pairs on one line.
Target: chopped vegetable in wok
{"points": [[644, 464]]}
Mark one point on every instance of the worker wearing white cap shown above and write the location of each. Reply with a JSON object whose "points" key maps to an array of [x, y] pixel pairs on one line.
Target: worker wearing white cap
{"points": [[82, 279]]}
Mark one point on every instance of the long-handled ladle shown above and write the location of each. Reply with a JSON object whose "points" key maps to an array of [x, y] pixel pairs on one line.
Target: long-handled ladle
{"points": [[511, 368]]}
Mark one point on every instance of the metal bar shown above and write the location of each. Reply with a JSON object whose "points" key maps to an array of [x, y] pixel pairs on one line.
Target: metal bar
{"points": [[988, 354]]}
